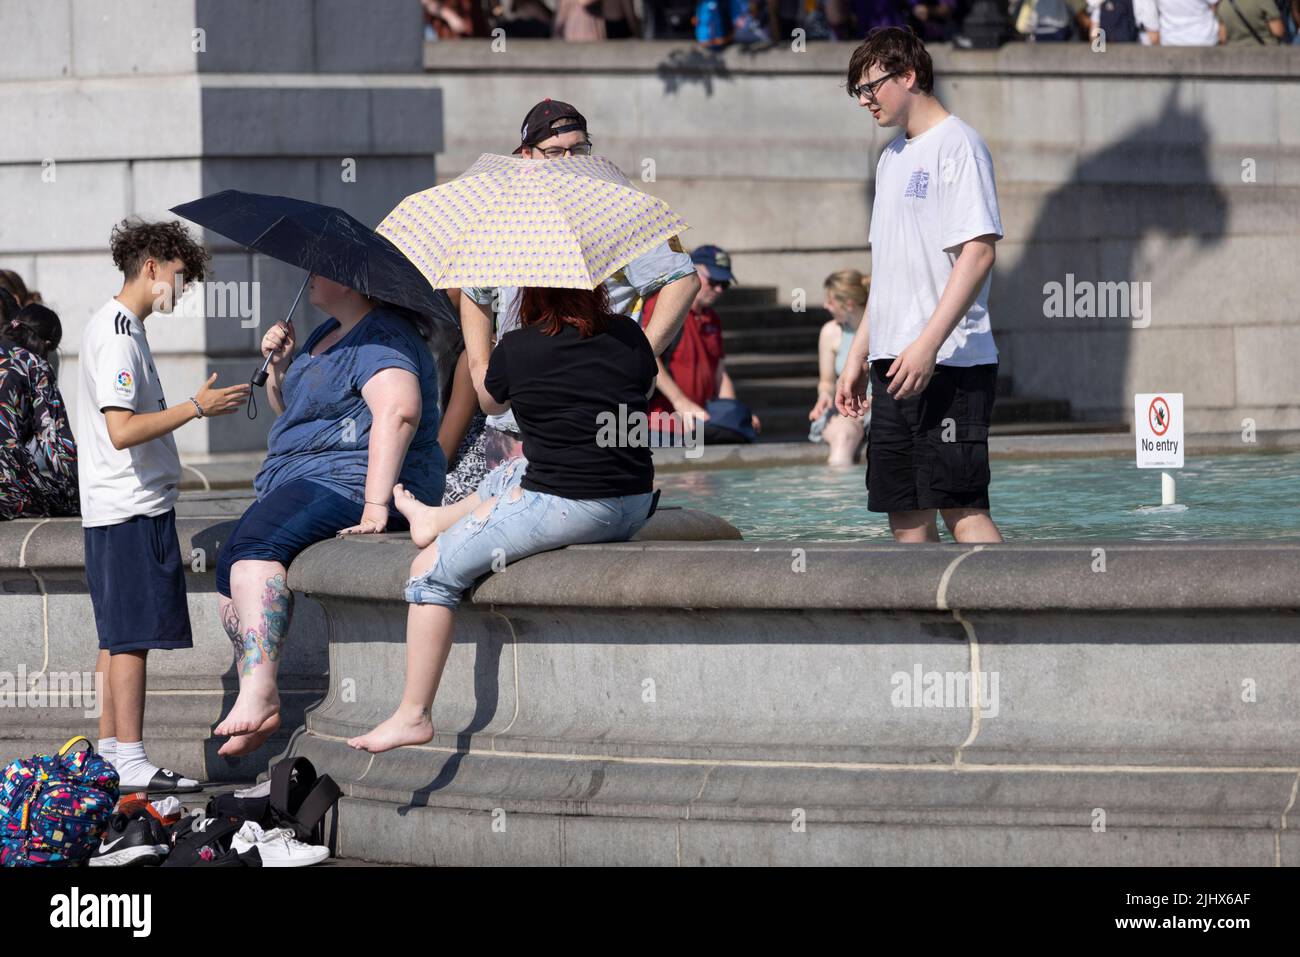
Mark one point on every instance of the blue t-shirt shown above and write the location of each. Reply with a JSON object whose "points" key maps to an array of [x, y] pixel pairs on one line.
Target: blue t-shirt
{"points": [[324, 432]]}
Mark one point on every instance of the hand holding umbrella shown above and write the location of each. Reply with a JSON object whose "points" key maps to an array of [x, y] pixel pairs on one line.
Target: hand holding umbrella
{"points": [[279, 339]]}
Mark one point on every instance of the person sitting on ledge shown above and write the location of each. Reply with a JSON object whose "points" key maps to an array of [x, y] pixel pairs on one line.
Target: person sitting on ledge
{"points": [[694, 386], [38, 455], [569, 368], [357, 409], [846, 301]]}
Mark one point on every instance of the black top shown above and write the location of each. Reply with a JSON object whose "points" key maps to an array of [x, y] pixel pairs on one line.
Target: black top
{"points": [[566, 392]]}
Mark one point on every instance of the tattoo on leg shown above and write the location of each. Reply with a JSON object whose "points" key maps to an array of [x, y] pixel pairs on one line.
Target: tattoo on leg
{"points": [[267, 643], [230, 623]]}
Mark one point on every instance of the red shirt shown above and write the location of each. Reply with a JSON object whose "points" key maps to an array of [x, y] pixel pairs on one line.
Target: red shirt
{"points": [[694, 360]]}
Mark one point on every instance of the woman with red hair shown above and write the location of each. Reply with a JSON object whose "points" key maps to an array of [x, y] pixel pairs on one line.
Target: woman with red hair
{"points": [[576, 376]]}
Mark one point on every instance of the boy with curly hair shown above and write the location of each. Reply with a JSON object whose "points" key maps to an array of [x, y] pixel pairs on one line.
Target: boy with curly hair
{"points": [[129, 481]]}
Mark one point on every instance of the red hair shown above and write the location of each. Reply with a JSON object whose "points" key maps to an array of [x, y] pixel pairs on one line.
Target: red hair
{"points": [[587, 310]]}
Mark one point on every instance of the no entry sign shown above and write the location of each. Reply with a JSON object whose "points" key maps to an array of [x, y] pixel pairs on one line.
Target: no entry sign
{"points": [[1158, 428]]}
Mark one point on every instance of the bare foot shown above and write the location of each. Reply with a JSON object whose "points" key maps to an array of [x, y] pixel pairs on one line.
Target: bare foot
{"points": [[246, 743], [251, 711], [425, 520], [394, 733]]}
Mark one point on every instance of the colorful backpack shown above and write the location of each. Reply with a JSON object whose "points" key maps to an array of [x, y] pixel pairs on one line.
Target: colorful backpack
{"points": [[54, 807]]}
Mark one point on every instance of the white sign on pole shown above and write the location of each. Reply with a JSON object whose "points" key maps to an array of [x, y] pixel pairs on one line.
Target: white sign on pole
{"points": [[1158, 428]]}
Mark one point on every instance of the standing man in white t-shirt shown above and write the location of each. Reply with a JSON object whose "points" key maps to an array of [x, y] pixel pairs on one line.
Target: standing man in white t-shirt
{"points": [[129, 477], [925, 331], [1186, 23]]}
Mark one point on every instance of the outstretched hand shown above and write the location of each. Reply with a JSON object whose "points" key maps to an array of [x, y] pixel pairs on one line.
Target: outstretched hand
{"points": [[374, 519]]}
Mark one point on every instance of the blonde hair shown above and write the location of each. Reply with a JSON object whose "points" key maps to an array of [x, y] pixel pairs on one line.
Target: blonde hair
{"points": [[849, 286]]}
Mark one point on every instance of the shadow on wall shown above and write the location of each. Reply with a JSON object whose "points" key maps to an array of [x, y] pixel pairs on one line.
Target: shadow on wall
{"points": [[694, 65], [1088, 280]]}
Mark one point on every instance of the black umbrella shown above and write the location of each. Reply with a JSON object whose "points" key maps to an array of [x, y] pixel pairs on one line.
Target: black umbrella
{"points": [[323, 240]]}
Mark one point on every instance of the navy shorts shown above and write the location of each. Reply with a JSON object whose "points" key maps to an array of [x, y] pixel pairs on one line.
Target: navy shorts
{"points": [[137, 584], [932, 450], [285, 522]]}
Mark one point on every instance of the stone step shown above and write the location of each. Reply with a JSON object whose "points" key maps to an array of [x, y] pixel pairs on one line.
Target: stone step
{"points": [[768, 317], [750, 296], [762, 365], [781, 337]]}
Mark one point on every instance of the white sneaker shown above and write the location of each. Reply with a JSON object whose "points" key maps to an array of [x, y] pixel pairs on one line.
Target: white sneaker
{"points": [[278, 847]]}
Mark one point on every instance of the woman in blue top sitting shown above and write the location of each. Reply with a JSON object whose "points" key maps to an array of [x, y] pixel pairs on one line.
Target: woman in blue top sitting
{"points": [[357, 411]]}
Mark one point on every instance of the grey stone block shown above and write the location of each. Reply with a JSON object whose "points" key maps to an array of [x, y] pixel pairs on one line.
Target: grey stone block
{"points": [[388, 38], [132, 37], [245, 36], [84, 200], [89, 120], [1262, 376], [157, 186], [1170, 577], [381, 183], [284, 120], [37, 40], [477, 696], [1180, 700], [22, 635]]}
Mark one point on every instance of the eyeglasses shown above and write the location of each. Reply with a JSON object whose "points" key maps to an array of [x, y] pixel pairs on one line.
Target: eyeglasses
{"points": [[869, 89], [718, 283], [555, 152]]}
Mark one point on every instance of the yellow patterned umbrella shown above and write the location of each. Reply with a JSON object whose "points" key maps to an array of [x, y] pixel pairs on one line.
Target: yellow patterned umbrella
{"points": [[509, 221]]}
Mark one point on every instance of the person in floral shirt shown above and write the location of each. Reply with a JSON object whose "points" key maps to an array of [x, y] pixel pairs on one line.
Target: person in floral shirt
{"points": [[38, 455]]}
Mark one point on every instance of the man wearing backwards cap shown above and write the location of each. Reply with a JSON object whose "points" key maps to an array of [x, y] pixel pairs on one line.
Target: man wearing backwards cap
{"points": [[553, 129]]}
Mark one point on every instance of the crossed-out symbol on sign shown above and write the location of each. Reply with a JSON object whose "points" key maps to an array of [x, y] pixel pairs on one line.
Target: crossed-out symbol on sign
{"points": [[1158, 415]]}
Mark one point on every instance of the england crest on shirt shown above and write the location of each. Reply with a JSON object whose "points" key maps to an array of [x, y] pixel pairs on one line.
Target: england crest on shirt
{"points": [[918, 184]]}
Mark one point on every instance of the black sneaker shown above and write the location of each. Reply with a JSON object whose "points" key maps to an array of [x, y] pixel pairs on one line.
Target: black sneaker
{"points": [[131, 842]]}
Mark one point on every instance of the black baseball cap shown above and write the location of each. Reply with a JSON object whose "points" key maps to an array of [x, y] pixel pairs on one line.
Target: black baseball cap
{"points": [[540, 123], [715, 261]]}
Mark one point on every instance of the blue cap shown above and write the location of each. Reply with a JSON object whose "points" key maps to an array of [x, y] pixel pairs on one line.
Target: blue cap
{"points": [[717, 262]]}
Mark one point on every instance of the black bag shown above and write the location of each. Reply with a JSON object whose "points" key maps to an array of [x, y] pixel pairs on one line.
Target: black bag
{"points": [[297, 799]]}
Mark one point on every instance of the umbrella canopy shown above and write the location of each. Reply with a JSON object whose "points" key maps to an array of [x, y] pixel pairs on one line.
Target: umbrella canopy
{"points": [[509, 221], [321, 239]]}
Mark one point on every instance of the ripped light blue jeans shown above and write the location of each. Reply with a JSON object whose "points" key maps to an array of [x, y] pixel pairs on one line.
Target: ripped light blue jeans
{"points": [[516, 528]]}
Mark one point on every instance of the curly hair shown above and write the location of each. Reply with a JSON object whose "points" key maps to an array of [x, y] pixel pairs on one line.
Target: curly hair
{"points": [[894, 50], [135, 240]]}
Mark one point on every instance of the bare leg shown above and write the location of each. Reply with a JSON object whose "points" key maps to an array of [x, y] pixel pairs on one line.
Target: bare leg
{"points": [[107, 720], [126, 677], [971, 525], [429, 630], [429, 521], [257, 622], [912, 527], [843, 435]]}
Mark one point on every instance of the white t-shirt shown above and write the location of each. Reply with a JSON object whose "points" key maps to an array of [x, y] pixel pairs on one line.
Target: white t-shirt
{"points": [[1187, 23], [933, 193], [1148, 19], [117, 371]]}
